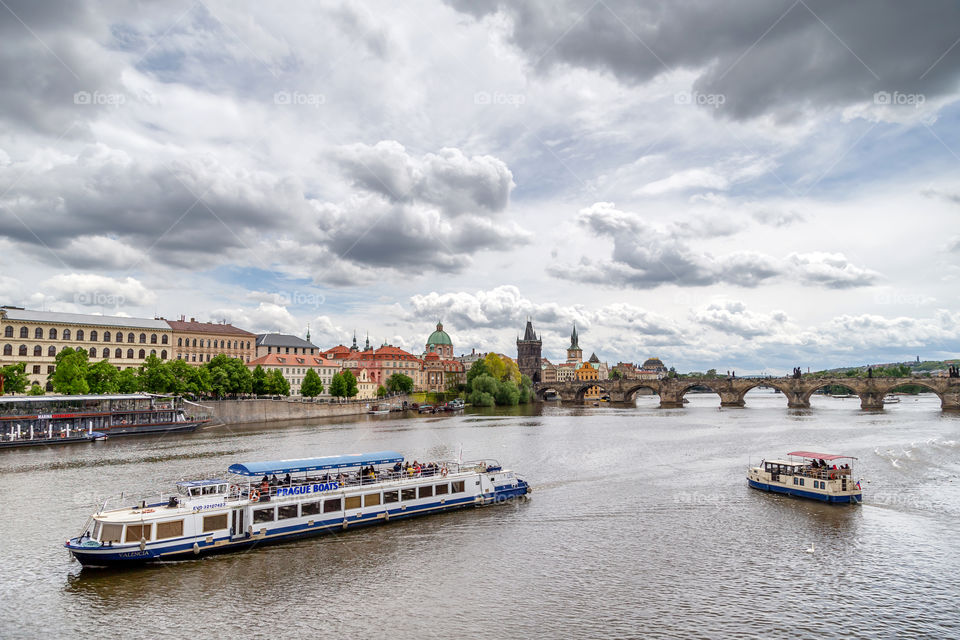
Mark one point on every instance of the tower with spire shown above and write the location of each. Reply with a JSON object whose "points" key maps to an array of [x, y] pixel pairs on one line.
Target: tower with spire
{"points": [[574, 352], [354, 346], [529, 352]]}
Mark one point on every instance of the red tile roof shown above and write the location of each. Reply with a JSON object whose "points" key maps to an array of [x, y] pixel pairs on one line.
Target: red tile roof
{"points": [[288, 360]]}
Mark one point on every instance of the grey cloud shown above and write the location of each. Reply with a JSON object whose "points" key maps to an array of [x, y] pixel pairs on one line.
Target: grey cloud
{"points": [[646, 256], [732, 317], [763, 57]]}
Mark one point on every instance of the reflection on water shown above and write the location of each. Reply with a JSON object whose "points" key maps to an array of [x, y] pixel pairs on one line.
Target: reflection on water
{"points": [[640, 523]]}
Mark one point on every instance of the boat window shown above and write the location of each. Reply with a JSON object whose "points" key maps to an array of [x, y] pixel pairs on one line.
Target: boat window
{"points": [[796, 480], [371, 499], [211, 490], [287, 511], [263, 515], [391, 496], [111, 532], [137, 531], [801, 482], [172, 529], [334, 504], [456, 487], [442, 489], [408, 494], [96, 530], [426, 492], [353, 502], [214, 523], [310, 508]]}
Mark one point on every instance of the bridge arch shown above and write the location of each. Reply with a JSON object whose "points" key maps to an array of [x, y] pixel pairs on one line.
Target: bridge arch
{"points": [[917, 383], [586, 385], [630, 393], [544, 391], [809, 391], [686, 387]]}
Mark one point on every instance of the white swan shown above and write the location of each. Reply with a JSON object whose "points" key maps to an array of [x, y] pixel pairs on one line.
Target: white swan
{"points": [[811, 549]]}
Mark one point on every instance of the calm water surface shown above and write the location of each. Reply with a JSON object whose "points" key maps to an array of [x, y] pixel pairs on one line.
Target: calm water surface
{"points": [[641, 524]]}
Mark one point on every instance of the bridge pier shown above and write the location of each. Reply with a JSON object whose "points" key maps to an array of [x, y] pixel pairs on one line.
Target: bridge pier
{"points": [[870, 400], [731, 399]]}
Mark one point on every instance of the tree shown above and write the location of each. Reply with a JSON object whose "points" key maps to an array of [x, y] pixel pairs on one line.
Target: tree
{"points": [[526, 389], [70, 375], [338, 388], [229, 376], [128, 381], [311, 386], [155, 376], [615, 374], [36, 390], [477, 369], [102, 377], [508, 394], [502, 368], [276, 384], [185, 379], [350, 384], [484, 391], [381, 391], [14, 377], [260, 381], [399, 383]]}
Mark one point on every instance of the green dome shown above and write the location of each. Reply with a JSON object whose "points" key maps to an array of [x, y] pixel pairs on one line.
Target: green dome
{"points": [[439, 337]]}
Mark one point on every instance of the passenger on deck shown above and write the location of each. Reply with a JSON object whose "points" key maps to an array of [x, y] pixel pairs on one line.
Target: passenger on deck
{"points": [[286, 480], [397, 468], [823, 463], [273, 480], [264, 480]]}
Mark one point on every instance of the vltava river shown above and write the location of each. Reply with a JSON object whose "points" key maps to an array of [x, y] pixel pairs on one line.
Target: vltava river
{"points": [[641, 524]]}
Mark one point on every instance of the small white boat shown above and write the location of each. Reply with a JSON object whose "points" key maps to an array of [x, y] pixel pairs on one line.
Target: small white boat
{"points": [[891, 399], [806, 474]]}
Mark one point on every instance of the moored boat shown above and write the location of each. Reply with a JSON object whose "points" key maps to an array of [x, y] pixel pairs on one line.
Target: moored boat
{"points": [[45, 420], [808, 475], [316, 496]]}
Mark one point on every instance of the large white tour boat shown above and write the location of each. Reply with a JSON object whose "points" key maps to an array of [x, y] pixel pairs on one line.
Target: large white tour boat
{"points": [[36, 420], [313, 496], [819, 476]]}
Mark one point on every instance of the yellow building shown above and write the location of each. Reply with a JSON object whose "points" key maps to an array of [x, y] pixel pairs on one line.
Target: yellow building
{"points": [[294, 368], [366, 385], [588, 372], [36, 337]]}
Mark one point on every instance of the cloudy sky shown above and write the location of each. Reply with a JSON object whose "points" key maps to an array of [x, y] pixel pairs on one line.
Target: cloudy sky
{"points": [[747, 185]]}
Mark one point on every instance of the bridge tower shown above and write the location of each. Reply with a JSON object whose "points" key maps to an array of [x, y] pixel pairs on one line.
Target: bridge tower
{"points": [[528, 353], [574, 352]]}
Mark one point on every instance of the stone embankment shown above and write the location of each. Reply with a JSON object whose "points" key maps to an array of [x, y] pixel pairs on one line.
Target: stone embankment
{"points": [[251, 411]]}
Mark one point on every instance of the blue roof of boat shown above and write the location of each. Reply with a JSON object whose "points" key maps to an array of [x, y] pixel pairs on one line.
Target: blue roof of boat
{"points": [[314, 464]]}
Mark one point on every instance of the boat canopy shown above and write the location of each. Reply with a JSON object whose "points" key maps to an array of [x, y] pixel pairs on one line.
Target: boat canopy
{"points": [[820, 456], [48, 399], [314, 464]]}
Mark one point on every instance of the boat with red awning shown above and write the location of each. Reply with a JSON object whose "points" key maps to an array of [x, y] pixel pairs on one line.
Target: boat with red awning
{"points": [[807, 474]]}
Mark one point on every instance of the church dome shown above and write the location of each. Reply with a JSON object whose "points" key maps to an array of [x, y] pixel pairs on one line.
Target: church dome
{"points": [[439, 337], [653, 364]]}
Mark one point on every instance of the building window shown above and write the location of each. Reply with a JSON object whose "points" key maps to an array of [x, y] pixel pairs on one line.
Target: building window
{"points": [[53, 333], [153, 338], [23, 350], [66, 334], [36, 368], [208, 357], [24, 333], [119, 337], [38, 333], [142, 354], [153, 352], [50, 368], [8, 349], [106, 336], [37, 351], [179, 342], [130, 337], [80, 335], [52, 351], [163, 339], [163, 354], [118, 353], [130, 354], [93, 352], [194, 342], [143, 338]]}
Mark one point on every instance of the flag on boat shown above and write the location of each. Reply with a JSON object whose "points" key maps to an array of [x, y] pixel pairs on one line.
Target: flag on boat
{"points": [[858, 484]]}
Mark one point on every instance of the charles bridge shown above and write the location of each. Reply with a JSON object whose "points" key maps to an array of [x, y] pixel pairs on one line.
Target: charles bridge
{"points": [[797, 391]]}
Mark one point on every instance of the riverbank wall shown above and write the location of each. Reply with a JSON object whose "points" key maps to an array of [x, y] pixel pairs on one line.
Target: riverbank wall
{"points": [[251, 411]]}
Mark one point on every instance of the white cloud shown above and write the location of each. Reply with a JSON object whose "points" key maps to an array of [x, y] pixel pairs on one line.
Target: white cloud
{"points": [[90, 290]]}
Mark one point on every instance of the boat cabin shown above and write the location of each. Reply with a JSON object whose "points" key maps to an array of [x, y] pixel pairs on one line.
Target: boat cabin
{"points": [[202, 488]]}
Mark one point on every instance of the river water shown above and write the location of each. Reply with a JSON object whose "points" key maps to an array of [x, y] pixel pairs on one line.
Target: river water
{"points": [[640, 524]]}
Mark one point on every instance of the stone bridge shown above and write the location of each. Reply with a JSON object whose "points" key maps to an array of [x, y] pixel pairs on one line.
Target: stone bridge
{"points": [[732, 390]]}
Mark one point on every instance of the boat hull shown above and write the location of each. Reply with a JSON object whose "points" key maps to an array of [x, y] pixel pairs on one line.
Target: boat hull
{"points": [[185, 549], [135, 430], [848, 498]]}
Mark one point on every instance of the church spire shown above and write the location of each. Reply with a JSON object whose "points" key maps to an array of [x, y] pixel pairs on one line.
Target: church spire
{"points": [[574, 341], [308, 332]]}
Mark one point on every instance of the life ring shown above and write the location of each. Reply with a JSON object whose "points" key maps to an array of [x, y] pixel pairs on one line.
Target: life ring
{"points": [[833, 476], [254, 495], [443, 472]]}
